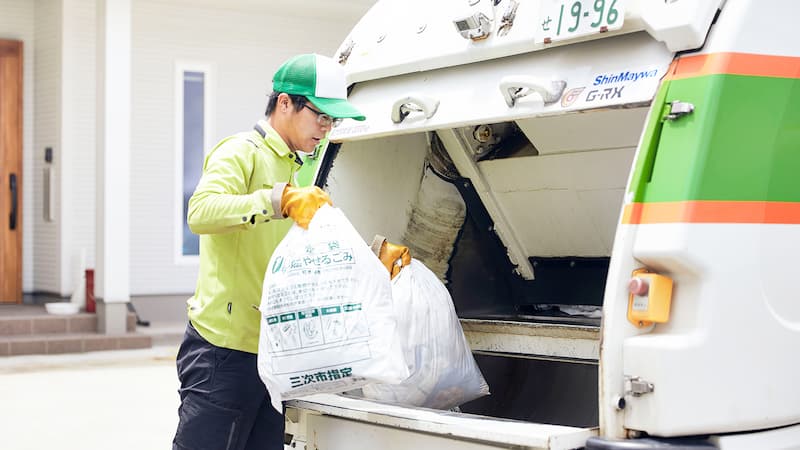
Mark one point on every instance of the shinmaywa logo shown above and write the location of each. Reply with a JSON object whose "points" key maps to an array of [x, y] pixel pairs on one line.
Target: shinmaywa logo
{"points": [[623, 76]]}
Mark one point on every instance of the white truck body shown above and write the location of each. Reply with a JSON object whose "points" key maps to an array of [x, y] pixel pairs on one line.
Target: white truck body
{"points": [[548, 133]]}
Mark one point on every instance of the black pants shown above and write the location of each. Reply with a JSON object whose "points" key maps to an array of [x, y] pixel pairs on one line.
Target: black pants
{"points": [[224, 404]]}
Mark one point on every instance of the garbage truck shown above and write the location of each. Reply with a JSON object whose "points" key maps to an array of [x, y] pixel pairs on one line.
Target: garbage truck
{"points": [[610, 191]]}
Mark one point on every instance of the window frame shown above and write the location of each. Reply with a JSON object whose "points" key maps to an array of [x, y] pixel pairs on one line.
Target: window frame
{"points": [[181, 67]]}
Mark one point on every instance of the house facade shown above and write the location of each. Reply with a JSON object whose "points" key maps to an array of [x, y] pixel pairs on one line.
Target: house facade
{"points": [[119, 99]]}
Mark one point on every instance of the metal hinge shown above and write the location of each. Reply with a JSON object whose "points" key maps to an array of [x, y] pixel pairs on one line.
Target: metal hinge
{"points": [[679, 109], [475, 27], [636, 386], [508, 18], [348, 48]]}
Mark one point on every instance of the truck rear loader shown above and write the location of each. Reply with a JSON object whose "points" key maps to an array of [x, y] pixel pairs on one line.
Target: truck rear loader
{"points": [[609, 190]]}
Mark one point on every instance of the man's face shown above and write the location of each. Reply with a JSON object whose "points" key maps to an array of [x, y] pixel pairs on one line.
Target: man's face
{"points": [[305, 129]]}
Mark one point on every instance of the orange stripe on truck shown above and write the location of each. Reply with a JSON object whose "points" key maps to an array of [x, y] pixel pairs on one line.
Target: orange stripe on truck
{"points": [[750, 64], [712, 212]]}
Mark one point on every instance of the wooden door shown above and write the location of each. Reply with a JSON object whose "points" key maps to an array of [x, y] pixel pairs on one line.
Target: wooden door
{"points": [[10, 171]]}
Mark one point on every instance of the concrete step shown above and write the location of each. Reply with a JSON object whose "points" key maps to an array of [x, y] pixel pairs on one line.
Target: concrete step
{"points": [[166, 316], [164, 333], [57, 343], [30, 330], [37, 321]]}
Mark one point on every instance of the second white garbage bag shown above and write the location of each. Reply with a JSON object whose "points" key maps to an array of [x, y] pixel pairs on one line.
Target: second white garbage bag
{"points": [[328, 323], [443, 372]]}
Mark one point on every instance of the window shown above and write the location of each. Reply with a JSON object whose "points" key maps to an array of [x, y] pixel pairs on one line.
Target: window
{"points": [[192, 126]]}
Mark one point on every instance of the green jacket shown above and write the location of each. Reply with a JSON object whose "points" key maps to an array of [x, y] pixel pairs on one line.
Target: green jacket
{"points": [[236, 211]]}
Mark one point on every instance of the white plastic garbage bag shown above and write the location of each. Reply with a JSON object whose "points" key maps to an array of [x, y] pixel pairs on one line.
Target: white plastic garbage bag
{"points": [[327, 319], [443, 372]]}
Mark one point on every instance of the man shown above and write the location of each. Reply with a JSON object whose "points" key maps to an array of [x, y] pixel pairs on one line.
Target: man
{"points": [[238, 208]]}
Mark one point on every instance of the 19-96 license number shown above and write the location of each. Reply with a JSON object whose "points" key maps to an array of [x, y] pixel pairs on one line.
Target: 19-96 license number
{"points": [[566, 19]]}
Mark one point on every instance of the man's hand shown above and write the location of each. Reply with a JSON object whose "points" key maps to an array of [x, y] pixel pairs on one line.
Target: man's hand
{"points": [[302, 203], [394, 257]]}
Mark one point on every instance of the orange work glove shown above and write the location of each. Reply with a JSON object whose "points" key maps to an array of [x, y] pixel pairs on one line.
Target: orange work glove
{"points": [[394, 257], [301, 203]]}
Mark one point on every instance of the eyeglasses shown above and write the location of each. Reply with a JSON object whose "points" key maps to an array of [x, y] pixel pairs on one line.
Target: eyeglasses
{"points": [[324, 119]]}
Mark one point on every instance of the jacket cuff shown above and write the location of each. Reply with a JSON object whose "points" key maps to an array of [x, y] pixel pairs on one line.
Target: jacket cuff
{"points": [[277, 196], [377, 243]]}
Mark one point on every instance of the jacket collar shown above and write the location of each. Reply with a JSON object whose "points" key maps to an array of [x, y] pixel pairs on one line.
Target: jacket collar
{"points": [[273, 139]]}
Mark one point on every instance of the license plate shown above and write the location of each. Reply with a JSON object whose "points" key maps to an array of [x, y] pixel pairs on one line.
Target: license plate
{"points": [[567, 19]]}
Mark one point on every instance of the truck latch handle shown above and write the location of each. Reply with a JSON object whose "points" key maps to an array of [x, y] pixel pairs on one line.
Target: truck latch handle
{"points": [[637, 387], [514, 87], [411, 103], [678, 109]]}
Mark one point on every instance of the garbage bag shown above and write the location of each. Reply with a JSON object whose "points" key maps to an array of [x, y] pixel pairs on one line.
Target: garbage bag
{"points": [[328, 323], [443, 372]]}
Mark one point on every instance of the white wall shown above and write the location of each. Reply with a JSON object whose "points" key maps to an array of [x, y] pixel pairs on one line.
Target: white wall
{"points": [[77, 139], [243, 47], [47, 133], [17, 22], [58, 113], [244, 43]]}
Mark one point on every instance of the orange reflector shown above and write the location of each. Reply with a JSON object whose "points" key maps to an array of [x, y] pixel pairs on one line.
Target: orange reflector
{"points": [[650, 298]]}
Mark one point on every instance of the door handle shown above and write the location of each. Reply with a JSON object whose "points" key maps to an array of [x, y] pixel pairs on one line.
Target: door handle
{"points": [[12, 218]]}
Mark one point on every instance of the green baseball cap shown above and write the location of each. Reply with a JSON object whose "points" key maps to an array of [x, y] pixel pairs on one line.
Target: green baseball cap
{"points": [[321, 80]]}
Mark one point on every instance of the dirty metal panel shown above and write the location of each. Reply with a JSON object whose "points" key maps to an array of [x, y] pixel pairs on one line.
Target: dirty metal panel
{"points": [[500, 432], [569, 342]]}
